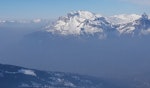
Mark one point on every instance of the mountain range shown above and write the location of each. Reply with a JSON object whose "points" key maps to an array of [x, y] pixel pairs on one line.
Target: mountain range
{"points": [[88, 23], [85, 22]]}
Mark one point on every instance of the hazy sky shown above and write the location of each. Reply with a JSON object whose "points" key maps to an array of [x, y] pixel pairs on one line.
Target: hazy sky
{"points": [[27, 9]]}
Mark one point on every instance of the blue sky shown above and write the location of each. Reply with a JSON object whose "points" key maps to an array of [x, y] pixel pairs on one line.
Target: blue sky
{"points": [[30, 9]]}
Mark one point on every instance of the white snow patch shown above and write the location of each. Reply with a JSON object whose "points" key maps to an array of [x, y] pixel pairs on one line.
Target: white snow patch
{"points": [[27, 72], [69, 84], [65, 82]]}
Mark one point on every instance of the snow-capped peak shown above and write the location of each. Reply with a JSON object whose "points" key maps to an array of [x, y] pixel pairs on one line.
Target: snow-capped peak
{"points": [[79, 22]]}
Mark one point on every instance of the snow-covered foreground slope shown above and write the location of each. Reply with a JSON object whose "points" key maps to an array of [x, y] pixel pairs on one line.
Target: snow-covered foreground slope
{"points": [[19, 77], [84, 22]]}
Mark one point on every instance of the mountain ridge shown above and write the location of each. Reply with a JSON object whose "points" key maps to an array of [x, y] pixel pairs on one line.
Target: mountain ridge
{"points": [[84, 22]]}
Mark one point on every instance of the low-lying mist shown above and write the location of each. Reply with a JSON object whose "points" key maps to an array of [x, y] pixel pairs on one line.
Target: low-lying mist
{"points": [[32, 47]]}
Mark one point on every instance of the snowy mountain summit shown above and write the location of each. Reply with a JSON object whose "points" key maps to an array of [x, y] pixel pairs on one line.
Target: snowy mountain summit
{"points": [[80, 22], [84, 22]]}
